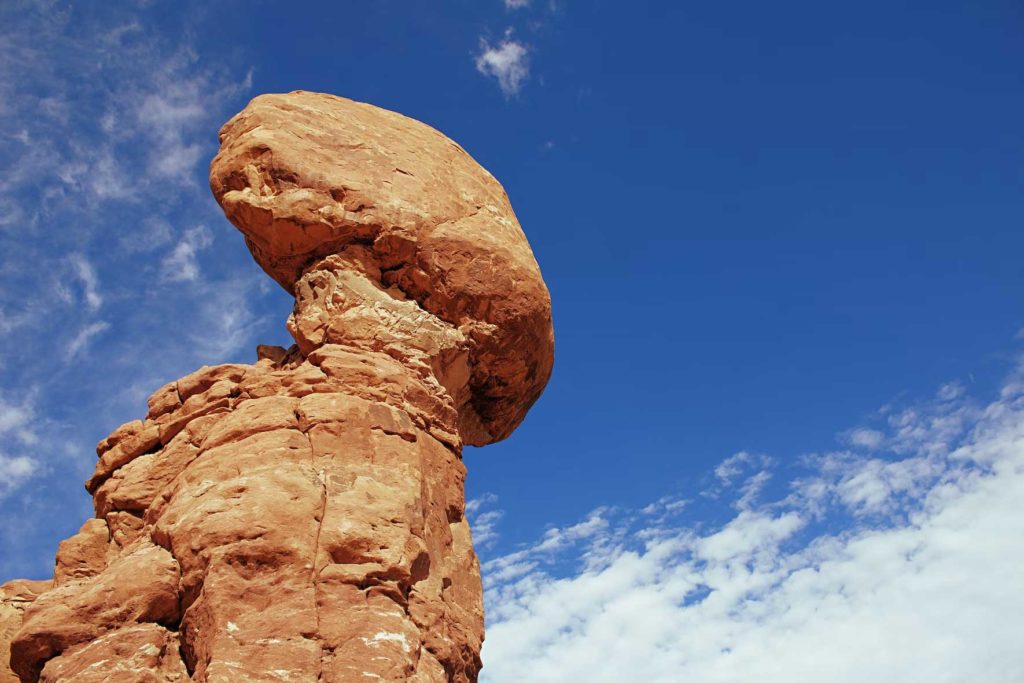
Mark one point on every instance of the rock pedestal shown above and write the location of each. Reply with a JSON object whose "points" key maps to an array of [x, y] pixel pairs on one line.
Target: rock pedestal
{"points": [[302, 518]]}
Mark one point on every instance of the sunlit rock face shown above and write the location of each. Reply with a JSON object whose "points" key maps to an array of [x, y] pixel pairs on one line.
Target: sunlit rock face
{"points": [[303, 518]]}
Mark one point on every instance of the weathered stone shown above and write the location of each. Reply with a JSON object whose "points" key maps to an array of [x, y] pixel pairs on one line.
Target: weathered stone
{"points": [[302, 518], [141, 438], [164, 400], [146, 653], [306, 176], [84, 555], [15, 597], [141, 586]]}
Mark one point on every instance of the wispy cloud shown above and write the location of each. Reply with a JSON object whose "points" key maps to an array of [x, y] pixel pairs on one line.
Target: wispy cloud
{"points": [[517, 4], [225, 319], [950, 391], [508, 62], [104, 125], [734, 465], [918, 584], [181, 265], [84, 336], [17, 421], [483, 520], [152, 233], [14, 471], [863, 437], [106, 119], [18, 430], [86, 274]]}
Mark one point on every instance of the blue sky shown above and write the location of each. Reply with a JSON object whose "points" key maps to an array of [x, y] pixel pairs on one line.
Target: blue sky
{"points": [[782, 245]]}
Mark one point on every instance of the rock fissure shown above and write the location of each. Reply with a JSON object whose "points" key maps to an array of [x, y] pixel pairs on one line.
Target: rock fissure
{"points": [[314, 569]]}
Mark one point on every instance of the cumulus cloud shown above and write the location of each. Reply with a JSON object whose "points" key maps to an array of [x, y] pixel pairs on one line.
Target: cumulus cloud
{"points": [[508, 62], [900, 565]]}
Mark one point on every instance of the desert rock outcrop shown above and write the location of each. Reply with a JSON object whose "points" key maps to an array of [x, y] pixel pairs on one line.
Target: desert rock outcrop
{"points": [[302, 518]]}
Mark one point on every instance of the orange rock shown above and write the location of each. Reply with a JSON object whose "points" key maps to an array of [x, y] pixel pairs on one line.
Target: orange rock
{"points": [[306, 175], [140, 586], [15, 597], [302, 518], [146, 653]]}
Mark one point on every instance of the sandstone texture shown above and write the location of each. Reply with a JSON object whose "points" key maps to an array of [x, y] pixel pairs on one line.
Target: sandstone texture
{"points": [[302, 518]]}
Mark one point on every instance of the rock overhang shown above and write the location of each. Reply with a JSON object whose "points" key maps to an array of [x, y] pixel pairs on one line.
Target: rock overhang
{"points": [[305, 176]]}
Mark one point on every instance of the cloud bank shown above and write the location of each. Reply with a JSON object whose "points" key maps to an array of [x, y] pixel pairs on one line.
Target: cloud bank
{"points": [[898, 565]]}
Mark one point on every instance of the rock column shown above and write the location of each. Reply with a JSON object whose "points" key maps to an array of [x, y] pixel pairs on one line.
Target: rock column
{"points": [[302, 519]]}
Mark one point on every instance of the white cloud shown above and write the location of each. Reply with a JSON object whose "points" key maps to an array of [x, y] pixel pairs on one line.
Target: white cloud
{"points": [[14, 471], [950, 391], [17, 420], [482, 521], [18, 423], [85, 335], [476, 504], [751, 489], [732, 466], [181, 265], [172, 112], [508, 62], [90, 283], [863, 437], [755, 467], [484, 528], [904, 567], [517, 4], [666, 506]]}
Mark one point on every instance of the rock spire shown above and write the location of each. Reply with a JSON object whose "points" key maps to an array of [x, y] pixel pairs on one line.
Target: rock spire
{"points": [[303, 518]]}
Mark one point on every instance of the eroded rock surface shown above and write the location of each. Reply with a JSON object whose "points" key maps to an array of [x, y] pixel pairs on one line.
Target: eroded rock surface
{"points": [[302, 518]]}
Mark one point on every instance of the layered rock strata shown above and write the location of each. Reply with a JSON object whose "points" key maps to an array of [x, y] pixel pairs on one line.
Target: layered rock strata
{"points": [[303, 518]]}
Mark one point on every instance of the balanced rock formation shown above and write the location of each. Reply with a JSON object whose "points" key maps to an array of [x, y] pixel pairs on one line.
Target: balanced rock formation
{"points": [[302, 519]]}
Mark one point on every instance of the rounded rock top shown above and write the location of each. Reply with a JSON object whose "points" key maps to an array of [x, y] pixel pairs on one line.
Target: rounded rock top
{"points": [[307, 175]]}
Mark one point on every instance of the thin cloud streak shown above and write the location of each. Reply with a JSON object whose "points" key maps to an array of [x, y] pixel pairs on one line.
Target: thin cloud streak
{"points": [[90, 283], [84, 337]]}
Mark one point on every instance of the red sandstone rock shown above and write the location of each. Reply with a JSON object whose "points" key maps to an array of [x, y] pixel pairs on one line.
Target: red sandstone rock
{"points": [[302, 518], [15, 597], [307, 175]]}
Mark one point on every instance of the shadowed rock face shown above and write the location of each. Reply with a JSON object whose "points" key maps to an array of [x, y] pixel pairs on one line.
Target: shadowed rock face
{"points": [[302, 518]]}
